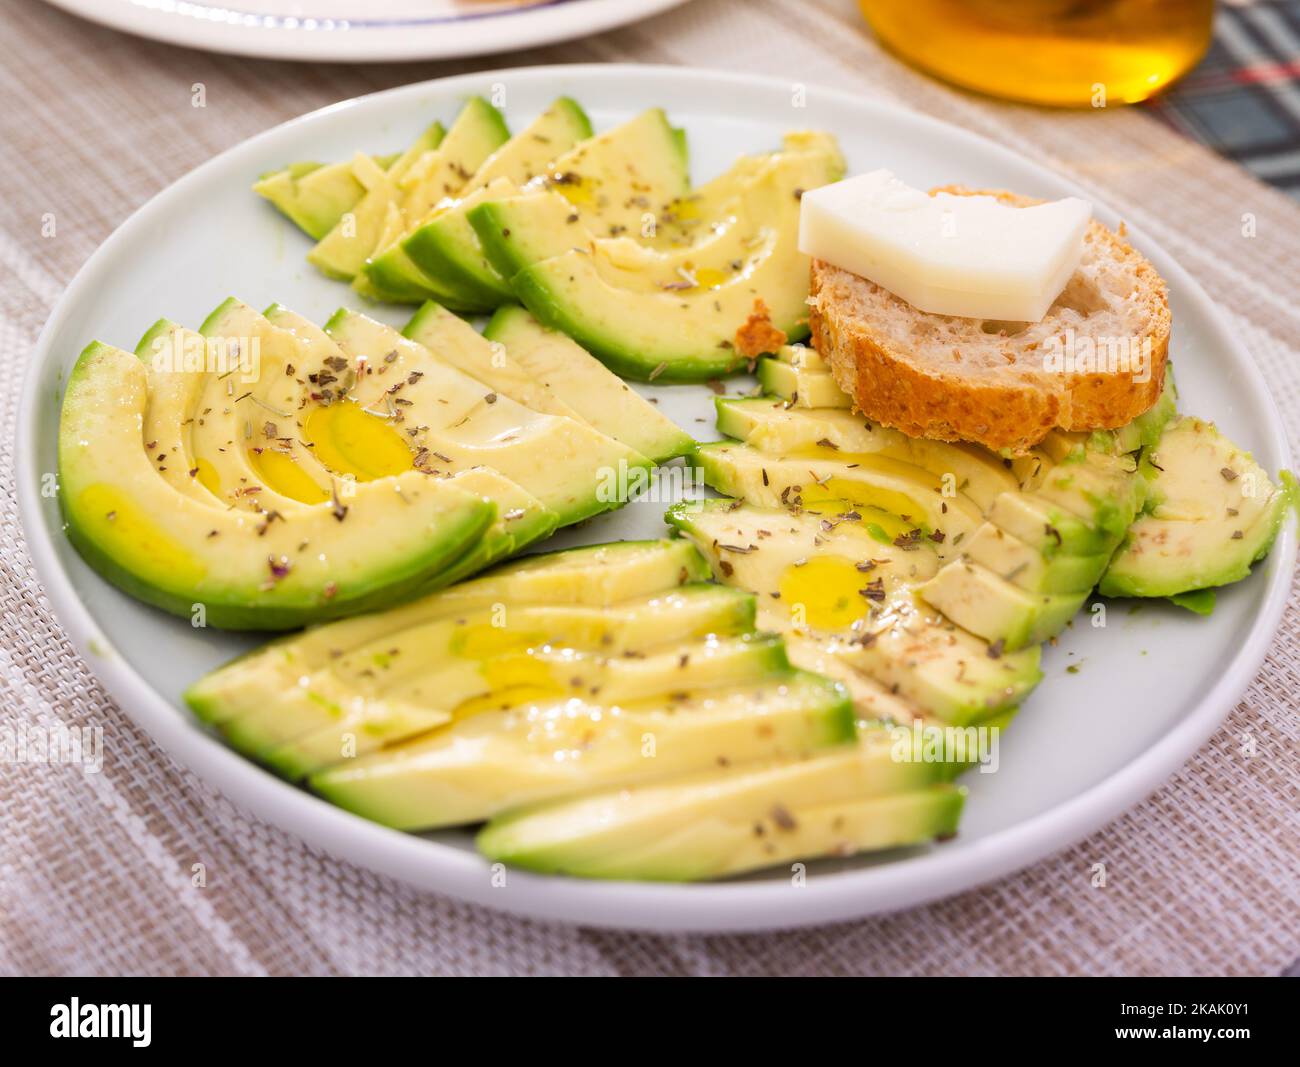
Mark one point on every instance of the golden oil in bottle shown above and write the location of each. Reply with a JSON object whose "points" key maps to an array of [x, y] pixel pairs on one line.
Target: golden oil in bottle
{"points": [[1069, 53]]}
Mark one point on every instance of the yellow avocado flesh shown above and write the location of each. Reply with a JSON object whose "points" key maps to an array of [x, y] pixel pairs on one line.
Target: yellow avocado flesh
{"points": [[350, 440], [774, 428], [265, 416], [708, 826], [699, 845], [279, 693], [743, 232], [460, 423], [600, 397], [856, 600], [802, 388], [594, 577], [995, 585], [236, 567], [495, 760], [822, 479], [1216, 512], [458, 685], [297, 446], [453, 340], [611, 178]]}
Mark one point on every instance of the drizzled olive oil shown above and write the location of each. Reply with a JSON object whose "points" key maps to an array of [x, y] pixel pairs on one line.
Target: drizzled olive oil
{"points": [[1069, 53]]}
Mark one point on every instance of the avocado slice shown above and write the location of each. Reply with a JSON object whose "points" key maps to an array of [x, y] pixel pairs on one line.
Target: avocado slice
{"points": [[343, 251], [458, 423], [521, 518], [455, 341], [1214, 513], [1031, 569], [854, 798], [314, 196], [593, 577], [611, 180], [775, 428], [801, 387], [989, 606], [857, 597], [247, 571], [460, 688], [446, 247], [495, 760], [381, 693], [1017, 594], [576, 377], [175, 360], [896, 496], [351, 207], [634, 307], [478, 131]]}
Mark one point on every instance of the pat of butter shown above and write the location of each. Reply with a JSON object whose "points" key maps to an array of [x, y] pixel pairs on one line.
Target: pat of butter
{"points": [[951, 255]]}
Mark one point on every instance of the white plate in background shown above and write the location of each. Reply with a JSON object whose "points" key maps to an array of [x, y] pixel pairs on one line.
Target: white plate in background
{"points": [[1150, 687], [363, 31]]}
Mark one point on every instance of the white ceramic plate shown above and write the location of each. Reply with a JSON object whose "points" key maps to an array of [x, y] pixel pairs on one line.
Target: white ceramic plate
{"points": [[363, 31], [1150, 687]]}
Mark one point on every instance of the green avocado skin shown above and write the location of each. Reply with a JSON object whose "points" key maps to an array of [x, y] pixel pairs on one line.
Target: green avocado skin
{"points": [[469, 284], [531, 288], [236, 609], [532, 291], [629, 362], [232, 608]]}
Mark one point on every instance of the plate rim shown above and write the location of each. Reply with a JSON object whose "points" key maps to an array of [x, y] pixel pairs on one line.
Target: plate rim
{"points": [[700, 907], [473, 35]]}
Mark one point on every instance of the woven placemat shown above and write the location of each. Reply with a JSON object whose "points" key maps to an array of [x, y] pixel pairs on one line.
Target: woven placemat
{"points": [[96, 871]]}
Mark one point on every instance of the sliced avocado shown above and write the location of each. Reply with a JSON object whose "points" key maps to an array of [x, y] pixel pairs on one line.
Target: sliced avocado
{"points": [[584, 383], [521, 520], [595, 577], [1047, 527], [343, 251], [858, 596], [614, 178], [439, 174], [460, 667], [175, 362], [455, 341], [495, 760], [773, 427], [646, 318], [1198, 601], [372, 219], [315, 195], [800, 387], [245, 570], [478, 131], [457, 422], [853, 799], [874, 704], [446, 246], [421, 673], [1215, 513], [997, 610], [871, 487], [521, 517], [1029, 568]]}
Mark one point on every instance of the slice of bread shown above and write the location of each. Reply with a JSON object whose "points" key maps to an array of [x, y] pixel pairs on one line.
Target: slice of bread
{"points": [[1001, 384]]}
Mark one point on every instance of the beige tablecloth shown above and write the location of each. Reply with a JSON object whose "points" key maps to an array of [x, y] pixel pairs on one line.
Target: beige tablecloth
{"points": [[95, 870]]}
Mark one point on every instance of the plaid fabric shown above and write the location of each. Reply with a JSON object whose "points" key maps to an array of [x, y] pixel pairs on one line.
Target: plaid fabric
{"points": [[1243, 100]]}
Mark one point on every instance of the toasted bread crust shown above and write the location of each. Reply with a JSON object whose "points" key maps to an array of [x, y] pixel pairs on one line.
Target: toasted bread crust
{"points": [[1012, 410]]}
